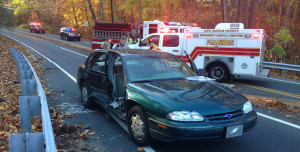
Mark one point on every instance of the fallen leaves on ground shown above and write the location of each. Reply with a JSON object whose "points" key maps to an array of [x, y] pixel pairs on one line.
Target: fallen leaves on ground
{"points": [[10, 91], [66, 135], [275, 104], [140, 149]]}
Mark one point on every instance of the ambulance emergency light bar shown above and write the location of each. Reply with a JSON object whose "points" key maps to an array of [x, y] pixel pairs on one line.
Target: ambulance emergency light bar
{"points": [[168, 30]]}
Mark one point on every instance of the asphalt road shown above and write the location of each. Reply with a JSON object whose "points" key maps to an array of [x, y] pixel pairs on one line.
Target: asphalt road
{"points": [[282, 134]]}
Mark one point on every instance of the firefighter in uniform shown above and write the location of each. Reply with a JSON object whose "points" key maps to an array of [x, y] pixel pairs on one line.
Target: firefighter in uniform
{"points": [[128, 39], [153, 46]]}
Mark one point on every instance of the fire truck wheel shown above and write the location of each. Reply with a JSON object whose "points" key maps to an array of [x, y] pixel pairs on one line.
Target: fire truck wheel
{"points": [[219, 72]]}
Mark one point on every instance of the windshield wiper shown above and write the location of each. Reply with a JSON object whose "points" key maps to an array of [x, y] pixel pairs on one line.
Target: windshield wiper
{"points": [[142, 81]]}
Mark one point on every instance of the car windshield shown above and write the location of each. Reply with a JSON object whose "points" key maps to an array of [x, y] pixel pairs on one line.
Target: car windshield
{"points": [[149, 68]]}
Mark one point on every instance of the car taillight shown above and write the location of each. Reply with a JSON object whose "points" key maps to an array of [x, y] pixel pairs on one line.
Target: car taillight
{"points": [[255, 35]]}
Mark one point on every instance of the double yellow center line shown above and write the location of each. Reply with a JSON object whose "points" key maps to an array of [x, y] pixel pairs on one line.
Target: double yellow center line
{"points": [[268, 90]]}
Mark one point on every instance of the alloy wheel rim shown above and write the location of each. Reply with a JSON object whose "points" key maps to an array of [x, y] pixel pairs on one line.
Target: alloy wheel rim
{"points": [[217, 73], [137, 126]]}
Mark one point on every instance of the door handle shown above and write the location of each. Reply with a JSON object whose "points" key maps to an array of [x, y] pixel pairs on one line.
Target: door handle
{"points": [[175, 50]]}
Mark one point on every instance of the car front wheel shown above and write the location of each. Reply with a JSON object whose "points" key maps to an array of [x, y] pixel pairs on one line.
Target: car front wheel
{"points": [[138, 126], [84, 95]]}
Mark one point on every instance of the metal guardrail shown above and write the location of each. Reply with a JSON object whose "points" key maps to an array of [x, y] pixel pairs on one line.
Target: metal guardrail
{"points": [[33, 103], [281, 66]]}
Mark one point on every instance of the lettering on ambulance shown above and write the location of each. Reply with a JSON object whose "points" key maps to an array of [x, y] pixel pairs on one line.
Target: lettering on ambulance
{"points": [[220, 42], [225, 51]]}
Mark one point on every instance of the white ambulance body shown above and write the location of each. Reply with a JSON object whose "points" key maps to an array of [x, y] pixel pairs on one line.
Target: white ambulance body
{"points": [[225, 51]]}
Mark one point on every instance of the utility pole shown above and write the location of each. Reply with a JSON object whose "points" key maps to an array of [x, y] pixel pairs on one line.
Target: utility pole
{"points": [[112, 13]]}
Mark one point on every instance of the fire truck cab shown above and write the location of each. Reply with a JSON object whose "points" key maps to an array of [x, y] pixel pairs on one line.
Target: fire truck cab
{"points": [[227, 50]]}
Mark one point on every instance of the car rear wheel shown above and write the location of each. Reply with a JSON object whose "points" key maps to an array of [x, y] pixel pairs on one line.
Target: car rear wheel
{"points": [[219, 72], [138, 126], [84, 95]]}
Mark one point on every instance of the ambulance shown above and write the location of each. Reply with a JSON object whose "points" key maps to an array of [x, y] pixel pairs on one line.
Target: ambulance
{"points": [[228, 50]]}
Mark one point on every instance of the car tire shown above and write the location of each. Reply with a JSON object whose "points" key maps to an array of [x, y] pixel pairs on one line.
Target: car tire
{"points": [[219, 72], [84, 95], [78, 39], [61, 37], [138, 126], [68, 38]]}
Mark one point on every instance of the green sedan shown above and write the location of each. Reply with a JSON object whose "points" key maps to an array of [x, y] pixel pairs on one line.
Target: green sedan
{"points": [[157, 95]]}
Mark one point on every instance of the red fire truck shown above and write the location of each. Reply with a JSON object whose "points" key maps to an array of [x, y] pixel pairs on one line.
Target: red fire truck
{"points": [[115, 31]]}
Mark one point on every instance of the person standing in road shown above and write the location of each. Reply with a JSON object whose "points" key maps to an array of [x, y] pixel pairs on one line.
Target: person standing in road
{"points": [[128, 39], [122, 44], [106, 46]]}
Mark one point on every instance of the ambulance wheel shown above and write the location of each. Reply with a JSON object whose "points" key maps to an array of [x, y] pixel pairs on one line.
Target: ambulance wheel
{"points": [[219, 72]]}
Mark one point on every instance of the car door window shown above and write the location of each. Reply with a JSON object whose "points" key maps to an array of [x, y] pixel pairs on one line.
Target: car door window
{"points": [[171, 41], [98, 63], [146, 41]]}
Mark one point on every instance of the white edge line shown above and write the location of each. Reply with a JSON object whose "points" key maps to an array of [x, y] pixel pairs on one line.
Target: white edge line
{"points": [[279, 80], [73, 52], [279, 120], [64, 71], [148, 149]]}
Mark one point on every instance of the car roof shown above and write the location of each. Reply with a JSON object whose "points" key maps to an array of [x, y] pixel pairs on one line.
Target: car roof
{"points": [[125, 52]]}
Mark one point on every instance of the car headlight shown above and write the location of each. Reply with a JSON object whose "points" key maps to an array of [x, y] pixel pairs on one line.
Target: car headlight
{"points": [[185, 116], [247, 107]]}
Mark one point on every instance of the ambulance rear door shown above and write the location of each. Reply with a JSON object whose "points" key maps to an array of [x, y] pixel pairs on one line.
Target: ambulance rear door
{"points": [[247, 52]]}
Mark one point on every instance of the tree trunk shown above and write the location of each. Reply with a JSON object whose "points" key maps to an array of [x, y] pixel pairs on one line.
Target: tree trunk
{"points": [[140, 11], [168, 9], [225, 11], [92, 10], [235, 13], [111, 11], [102, 13], [241, 10], [123, 12], [222, 10], [74, 14], [287, 14], [279, 17], [260, 9], [295, 15], [252, 14], [172, 7], [215, 12], [245, 15], [131, 13]]}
